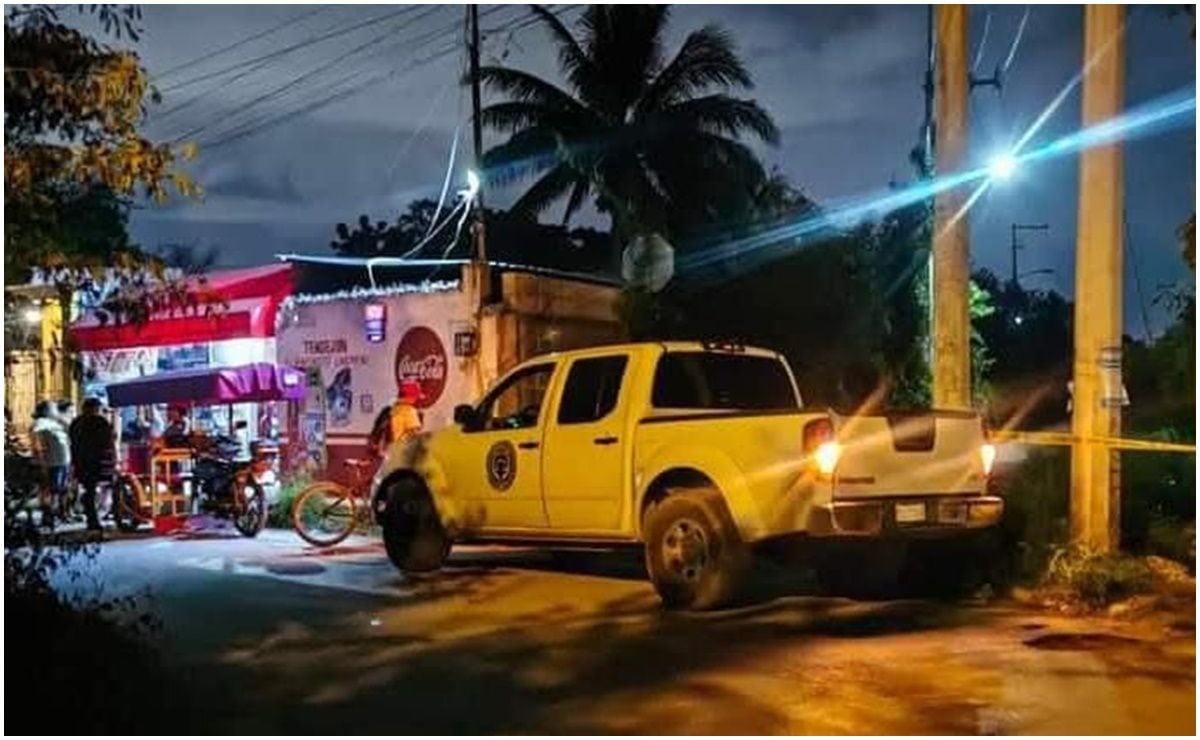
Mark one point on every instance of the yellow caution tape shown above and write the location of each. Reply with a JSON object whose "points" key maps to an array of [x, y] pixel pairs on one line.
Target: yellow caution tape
{"points": [[1067, 439]]}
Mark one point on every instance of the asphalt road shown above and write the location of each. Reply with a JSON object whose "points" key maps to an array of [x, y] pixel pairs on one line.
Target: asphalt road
{"points": [[268, 635]]}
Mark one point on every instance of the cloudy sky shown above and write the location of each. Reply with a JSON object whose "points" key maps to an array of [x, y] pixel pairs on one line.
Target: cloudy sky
{"points": [[309, 115]]}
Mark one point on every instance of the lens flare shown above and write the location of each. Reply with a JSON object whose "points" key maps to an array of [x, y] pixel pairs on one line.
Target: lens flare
{"points": [[1168, 112], [1002, 166]]}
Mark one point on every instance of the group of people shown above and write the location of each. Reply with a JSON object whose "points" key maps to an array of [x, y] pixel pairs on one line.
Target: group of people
{"points": [[74, 448], [80, 451]]}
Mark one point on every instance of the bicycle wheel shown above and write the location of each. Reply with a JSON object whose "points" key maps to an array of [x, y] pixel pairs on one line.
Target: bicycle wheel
{"points": [[324, 514]]}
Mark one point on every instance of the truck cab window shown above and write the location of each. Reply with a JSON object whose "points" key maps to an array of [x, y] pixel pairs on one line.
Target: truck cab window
{"points": [[517, 403], [713, 380], [591, 390]]}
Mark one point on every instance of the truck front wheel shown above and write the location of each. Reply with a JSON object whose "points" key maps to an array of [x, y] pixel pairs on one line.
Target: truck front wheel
{"points": [[694, 555], [413, 534]]}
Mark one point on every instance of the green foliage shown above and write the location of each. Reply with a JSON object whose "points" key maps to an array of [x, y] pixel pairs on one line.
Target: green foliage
{"points": [[656, 140], [511, 237], [979, 307], [1098, 579], [72, 150], [847, 308], [280, 515]]}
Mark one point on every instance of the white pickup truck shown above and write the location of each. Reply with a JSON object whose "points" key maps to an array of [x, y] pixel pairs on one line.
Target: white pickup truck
{"points": [[696, 451]]}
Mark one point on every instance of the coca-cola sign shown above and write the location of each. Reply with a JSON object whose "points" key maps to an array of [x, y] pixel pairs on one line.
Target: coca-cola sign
{"points": [[421, 357]]}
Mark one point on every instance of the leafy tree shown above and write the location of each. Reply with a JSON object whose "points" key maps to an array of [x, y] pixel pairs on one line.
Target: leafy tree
{"points": [[512, 237], [657, 142], [72, 108], [383, 239]]}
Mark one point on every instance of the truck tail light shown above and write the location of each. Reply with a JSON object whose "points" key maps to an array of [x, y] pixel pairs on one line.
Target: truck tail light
{"points": [[987, 451], [987, 455], [820, 446]]}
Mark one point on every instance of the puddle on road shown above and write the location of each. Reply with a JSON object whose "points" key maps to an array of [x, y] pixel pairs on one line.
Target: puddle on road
{"points": [[1081, 641], [293, 568]]}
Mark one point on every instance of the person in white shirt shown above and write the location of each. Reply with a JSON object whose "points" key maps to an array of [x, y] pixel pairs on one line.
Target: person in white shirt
{"points": [[53, 449]]}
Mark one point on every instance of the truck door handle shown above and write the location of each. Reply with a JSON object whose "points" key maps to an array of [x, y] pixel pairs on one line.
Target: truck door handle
{"points": [[604, 440], [528, 445]]}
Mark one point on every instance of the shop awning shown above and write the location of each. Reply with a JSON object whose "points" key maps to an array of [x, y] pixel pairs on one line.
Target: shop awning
{"points": [[259, 381], [253, 295]]}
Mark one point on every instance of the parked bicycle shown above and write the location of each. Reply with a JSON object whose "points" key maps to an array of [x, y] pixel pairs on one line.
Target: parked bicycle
{"points": [[327, 512]]}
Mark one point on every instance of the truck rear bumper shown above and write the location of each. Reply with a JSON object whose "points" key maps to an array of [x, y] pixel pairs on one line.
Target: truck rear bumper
{"points": [[905, 515]]}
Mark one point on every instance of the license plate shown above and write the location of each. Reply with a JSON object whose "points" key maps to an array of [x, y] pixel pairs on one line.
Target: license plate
{"points": [[909, 513]]}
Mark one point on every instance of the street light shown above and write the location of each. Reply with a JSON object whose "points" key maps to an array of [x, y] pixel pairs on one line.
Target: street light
{"points": [[32, 315], [1002, 166]]}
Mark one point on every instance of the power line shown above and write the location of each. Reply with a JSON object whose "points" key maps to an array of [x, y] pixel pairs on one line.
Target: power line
{"points": [[293, 47], [1012, 50], [242, 42], [335, 95], [987, 24], [314, 72], [219, 85], [1137, 277], [323, 102], [411, 43]]}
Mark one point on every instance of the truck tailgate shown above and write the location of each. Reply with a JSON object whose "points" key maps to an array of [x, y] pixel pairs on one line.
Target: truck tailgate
{"points": [[930, 453]]}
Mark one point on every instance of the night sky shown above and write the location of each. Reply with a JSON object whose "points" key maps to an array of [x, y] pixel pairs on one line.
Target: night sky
{"points": [[843, 83]]}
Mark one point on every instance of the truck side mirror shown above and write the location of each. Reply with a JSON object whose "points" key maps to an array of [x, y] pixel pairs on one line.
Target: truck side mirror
{"points": [[464, 415]]}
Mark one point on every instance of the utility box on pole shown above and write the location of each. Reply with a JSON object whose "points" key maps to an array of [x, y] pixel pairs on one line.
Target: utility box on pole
{"points": [[951, 253], [1096, 411]]}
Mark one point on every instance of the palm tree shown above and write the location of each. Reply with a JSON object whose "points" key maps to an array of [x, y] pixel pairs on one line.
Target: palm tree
{"points": [[658, 143]]}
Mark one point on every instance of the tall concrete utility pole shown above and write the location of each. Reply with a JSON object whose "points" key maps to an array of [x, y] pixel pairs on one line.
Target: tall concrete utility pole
{"points": [[1096, 406], [951, 254]]}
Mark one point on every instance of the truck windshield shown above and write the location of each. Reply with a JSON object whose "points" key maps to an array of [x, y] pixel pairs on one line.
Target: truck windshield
{"points": [[711, 380]]}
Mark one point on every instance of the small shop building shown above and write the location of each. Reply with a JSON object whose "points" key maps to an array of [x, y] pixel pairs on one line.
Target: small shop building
{"points": [[359, 330]]}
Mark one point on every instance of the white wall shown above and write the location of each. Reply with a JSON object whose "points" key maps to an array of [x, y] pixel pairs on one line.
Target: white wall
{"points": [[331, 336]]}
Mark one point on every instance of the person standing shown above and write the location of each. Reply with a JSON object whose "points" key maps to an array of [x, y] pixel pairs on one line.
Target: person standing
{"points": [[65, 414], [94, 452], [397, 421], [54, 453]]}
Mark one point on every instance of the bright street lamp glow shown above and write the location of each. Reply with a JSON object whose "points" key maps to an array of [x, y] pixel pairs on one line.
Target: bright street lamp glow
{"points": [[472, 182], [32, 316], [1002, 166]]}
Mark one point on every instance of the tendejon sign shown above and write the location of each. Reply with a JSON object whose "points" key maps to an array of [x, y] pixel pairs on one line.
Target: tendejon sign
{"points": [[360, 375]]}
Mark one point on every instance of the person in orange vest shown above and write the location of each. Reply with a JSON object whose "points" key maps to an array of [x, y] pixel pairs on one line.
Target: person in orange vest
{"points": [[397, 421]]}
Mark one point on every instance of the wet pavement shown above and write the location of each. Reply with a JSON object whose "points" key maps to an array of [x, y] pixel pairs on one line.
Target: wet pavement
{"points": [[276, 636]]}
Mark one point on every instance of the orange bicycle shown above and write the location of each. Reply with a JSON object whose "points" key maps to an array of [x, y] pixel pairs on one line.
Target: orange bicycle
{"points": [[326, 512]]}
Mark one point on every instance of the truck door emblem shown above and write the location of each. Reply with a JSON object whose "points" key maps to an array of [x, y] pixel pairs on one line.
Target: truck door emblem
{"points": [[502, 465]]}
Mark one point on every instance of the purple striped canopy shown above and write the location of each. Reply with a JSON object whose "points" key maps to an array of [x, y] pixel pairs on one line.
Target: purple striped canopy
{"points": [[260, 381]]}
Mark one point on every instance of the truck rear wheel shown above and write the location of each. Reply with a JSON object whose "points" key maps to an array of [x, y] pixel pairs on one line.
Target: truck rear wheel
{"points": [[694, 555], [413, 534]]}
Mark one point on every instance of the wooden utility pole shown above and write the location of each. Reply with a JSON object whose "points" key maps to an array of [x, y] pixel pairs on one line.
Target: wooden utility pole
{"points": [[477, 125], [951, 254], [1097, 396]]}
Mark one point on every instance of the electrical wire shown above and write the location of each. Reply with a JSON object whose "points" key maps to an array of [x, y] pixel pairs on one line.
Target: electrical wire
{"points": [[282, 89], [1016, 42], [253, 127], [1137, 276], [342, 94], [446, 182], [987, 24], [292, 47], [242, 42]]}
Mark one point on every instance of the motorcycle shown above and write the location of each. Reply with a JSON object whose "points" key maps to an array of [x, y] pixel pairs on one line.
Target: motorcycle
{"points": [[220, 484]]}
